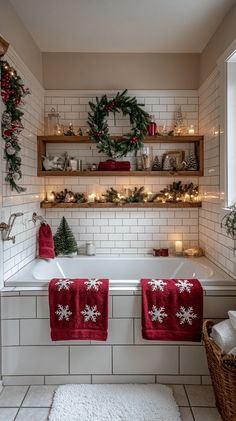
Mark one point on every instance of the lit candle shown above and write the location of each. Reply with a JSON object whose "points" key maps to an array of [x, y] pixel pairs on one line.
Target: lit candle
{"points": [[91, 197], [191, 130], [178, 247], [51, 197]]}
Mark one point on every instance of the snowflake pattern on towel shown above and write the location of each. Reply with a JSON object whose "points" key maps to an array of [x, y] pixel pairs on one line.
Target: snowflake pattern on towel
{"points": [[64, 284], [157, 314], [93, 284], [157, 284], [63, 312], [186, 315], [184, 285], [90, 313]]}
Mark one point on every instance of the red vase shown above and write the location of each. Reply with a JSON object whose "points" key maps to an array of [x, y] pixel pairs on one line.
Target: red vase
{"points": [[152, 127]]}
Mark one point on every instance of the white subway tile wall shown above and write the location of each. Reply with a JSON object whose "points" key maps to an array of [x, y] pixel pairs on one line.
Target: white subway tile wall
{"points": [[217, 245], [23, 251], [122, 231]]}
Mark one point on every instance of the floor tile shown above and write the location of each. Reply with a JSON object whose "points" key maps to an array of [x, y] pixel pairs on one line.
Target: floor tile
{"points": [[179, 394], [186, 414], [39, 396], [12, 396], [32, 414], [8, 414], [206, 414], [200, 395]]}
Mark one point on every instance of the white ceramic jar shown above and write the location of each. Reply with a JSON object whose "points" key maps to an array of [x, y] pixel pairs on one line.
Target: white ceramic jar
{"points": [[90, 249]]}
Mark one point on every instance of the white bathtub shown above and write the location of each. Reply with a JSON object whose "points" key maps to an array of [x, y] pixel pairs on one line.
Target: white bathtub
{"points": [[123, 272]]}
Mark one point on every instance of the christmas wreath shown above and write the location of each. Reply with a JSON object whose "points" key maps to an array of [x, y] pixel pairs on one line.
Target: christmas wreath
{"points": [[99, 130], [12, 92]]}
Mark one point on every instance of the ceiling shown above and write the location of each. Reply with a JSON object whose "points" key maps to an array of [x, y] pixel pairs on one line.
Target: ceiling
{"points": [[165, 26]]}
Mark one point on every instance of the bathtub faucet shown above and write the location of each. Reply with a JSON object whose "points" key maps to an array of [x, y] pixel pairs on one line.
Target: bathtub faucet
{"points": [[6, 228]]}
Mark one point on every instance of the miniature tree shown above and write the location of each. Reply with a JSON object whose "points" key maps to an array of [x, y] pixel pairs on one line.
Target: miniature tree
{"points": [[64, 240]]}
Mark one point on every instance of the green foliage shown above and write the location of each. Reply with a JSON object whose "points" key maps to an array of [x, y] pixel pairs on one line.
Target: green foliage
{"points": [[136, 196], [177, 191], [64, 240], [99, 131], [229, 221], [12, 93]]}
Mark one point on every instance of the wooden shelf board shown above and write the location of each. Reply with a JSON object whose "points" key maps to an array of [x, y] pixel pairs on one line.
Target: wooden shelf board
{"points": [[119, 173], [148, 139], [127, 205]]}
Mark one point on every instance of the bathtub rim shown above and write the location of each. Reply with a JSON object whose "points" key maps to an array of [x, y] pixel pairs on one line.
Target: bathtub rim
{"points": [[223, 279]]}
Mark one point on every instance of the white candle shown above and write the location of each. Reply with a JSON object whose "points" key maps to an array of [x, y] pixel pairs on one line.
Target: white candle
{"points": [[91, 197], [191, 130], [178, 247]]}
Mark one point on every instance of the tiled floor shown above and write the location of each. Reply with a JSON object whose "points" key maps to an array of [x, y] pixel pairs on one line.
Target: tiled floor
{"points": [[32, 403]]}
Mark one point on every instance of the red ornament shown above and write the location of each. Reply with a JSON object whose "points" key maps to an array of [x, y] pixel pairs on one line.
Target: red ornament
{"points": [[110, 106], [133, 140], [7, 132]]}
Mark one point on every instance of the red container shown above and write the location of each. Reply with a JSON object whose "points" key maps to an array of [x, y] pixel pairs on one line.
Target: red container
{"points": [[152, 128], [156, 252], [161, 252], [164, 252], [111, 165]]}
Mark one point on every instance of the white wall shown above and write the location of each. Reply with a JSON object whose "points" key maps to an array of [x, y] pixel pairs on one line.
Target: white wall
{"points": [[121, 231], [23, 251], [218, 246]]}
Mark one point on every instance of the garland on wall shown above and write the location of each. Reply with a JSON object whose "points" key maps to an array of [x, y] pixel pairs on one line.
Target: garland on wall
{"points": [[99, 130], [173, 193], [13, 91]]}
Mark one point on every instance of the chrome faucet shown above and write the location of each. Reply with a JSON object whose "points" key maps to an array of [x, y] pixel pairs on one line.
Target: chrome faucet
{"points": [[6, 228]]}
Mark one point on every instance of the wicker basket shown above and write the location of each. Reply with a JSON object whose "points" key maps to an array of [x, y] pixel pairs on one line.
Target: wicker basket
{"points": [[222, 368]]}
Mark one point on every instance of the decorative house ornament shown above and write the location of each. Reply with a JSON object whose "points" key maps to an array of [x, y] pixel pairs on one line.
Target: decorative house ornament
{"points": [[99, 130], [13, 91]]}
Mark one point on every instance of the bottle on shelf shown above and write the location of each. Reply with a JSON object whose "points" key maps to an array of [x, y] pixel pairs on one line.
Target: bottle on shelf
{"points": [[152, 127]]}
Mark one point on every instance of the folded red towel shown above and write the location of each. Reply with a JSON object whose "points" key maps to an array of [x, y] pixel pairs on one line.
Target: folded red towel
{"points": [[46, 243], [172, 309], [78, 309]]}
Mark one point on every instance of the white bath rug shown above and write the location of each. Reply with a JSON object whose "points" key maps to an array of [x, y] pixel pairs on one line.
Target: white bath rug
{"points": [[114, 402]]}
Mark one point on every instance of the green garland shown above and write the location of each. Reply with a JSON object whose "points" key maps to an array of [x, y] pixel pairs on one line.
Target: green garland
{"points": [[12, 92], [229, 221], [99, 130]]}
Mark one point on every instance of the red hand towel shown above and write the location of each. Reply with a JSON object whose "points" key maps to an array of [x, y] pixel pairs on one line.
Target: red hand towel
{"points": [[172, 309], [46, 243], [78, 309]]}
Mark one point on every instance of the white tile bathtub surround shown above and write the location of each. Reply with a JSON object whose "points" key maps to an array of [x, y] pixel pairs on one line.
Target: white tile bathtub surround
{"points": [[23, 251], [217, 245], [122, 231], [30, 357]]}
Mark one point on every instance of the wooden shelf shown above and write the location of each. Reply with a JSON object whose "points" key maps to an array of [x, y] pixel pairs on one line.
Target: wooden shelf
{"points": [[43, 140], [148, 139], [126, 205], [118, 173]]}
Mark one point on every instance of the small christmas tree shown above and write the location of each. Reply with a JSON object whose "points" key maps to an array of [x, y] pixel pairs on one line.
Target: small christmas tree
{"points": [[64, 240], [179, 122]]}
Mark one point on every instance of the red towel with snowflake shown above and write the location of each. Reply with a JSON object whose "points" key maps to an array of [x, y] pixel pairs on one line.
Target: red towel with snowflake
{"points": [[78, 309], [172, 309]]}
